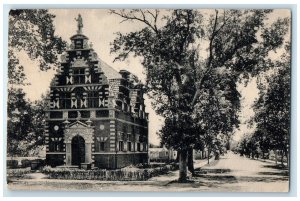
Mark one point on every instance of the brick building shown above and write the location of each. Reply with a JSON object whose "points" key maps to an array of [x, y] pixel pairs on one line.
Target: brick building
{"points": [[96, 116]]}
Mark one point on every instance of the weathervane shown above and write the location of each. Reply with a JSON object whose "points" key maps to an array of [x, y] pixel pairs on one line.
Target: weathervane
{"points": [[79, 24]]}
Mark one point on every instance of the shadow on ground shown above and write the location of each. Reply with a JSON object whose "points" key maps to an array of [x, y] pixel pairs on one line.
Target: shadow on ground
{"points": [[277, 167], [282, 174]]}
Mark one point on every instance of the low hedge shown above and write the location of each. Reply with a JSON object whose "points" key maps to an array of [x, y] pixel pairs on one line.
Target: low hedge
{"points": [[12, 163], [129, 174], [20, 172], [26, 163]]}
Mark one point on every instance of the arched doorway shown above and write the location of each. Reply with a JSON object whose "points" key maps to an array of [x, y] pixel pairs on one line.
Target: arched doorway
{"points": [[78, 150]]}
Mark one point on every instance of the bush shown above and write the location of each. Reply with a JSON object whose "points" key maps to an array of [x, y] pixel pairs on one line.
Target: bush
{"points": [[20, 172], [126, 174], [12, 163], [37, 164], [26, 163]]}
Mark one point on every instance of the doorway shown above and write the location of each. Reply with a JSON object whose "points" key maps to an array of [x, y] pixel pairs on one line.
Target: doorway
{"points": [[78, 150]]}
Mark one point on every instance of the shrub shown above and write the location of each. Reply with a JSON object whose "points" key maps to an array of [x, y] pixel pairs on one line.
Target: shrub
{"points": [[26, 163], [37, 164], [20, 172], [12, 163], [125, 174]]}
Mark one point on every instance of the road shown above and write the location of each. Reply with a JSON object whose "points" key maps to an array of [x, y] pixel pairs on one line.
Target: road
{"points": [[232, 173]]}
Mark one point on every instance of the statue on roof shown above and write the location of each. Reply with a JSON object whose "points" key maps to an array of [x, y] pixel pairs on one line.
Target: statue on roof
{"points": [[79, 24]]}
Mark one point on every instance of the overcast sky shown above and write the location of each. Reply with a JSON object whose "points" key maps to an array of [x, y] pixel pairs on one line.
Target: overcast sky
{"points": [[99, 26]]}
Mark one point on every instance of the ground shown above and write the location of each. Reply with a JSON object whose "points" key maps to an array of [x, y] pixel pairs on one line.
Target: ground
{"points": [[232, 173]]}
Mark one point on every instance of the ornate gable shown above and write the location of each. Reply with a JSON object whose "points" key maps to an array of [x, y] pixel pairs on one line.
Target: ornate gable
{"points": [[81, 62]]}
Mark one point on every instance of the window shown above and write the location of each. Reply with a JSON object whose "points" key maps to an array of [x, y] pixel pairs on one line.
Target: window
{"points": [[102, 146], [65, 101], [121, 146], [129, 146], [138, 146], [55, 146], [128, 136], [79, 76], [93, 99], [78, 44]]}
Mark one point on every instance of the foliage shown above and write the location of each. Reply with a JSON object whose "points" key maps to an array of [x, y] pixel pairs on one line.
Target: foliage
{"points": [[20, 172], [12, 163], [126, 174], [186, 85], [25, 123], [31, 31], [272, 108]]}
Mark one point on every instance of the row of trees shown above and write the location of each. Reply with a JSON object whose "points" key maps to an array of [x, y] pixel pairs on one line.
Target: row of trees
{"points": [[272, 112], [193, 64]]}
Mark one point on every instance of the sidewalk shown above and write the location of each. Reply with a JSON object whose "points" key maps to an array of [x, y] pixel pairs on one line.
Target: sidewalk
{"points": [[270, 161]]}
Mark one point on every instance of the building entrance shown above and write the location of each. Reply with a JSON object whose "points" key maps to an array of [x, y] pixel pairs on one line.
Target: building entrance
{"points": [[78, 150]]}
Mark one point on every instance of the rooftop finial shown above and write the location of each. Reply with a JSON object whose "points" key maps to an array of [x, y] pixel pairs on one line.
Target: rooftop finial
{"points": [[79, 24]]}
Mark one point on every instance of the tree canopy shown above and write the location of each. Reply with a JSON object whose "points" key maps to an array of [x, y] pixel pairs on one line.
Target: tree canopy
{"points": [[186, 82], [31, 31]]}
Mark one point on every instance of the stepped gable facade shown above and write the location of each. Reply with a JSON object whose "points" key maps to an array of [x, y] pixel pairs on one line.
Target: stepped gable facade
{"points": [[96, 115]]}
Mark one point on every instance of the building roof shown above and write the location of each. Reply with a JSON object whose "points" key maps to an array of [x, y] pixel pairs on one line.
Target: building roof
{"points": [[79, 36], [109, 71]]}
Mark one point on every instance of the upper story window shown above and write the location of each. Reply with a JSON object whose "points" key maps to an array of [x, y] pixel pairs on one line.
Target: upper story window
{"points": [[65, 100], [93, 99], [79, 76], [78, 44]]}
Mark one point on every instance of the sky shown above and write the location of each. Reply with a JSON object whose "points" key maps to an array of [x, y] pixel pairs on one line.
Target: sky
{"points": [[100, 27]]}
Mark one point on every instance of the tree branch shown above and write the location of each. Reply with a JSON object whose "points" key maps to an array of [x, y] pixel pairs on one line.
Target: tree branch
{"points": [[208, 66], [133, 17]]}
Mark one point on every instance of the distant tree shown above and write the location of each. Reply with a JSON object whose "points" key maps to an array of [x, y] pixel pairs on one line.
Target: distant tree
{"points": [[238, 41], [19, 121], [273, 106], [25, 125]]}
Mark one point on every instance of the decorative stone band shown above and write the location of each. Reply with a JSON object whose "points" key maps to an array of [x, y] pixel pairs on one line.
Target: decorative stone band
{"points": [[65, 89], [81, 129], [92, 88]]}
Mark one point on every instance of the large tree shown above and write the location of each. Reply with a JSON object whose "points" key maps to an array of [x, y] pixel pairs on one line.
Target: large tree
{"points": [[32, 32], [177, 69]]}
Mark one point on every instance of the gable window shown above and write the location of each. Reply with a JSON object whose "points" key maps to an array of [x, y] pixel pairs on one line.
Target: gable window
{"points": [[93, 99], [78, 44], [65, 101], [79, 76]]}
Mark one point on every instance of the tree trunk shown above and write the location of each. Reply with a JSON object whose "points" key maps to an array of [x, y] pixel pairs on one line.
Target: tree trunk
{"points": [[217, 156], [276, 157], [282, 155], [287, 159], [208, 154], [182, 166], [191, 161]]}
